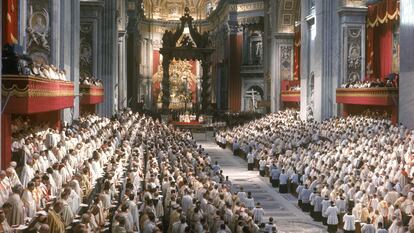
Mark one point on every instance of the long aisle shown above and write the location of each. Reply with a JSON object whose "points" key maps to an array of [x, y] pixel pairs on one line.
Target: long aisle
{"points": [[282, 207]]}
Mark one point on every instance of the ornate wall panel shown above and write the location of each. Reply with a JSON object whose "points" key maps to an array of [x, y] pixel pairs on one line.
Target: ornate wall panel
{"points": [[38, 30], [353, 53], [286, 62], [86, 50]]}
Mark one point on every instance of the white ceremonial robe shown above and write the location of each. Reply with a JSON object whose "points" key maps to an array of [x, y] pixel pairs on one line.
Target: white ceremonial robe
{"points": [[249, 202], [27, 175], [16, 216], [349, 222], [187, 203], [4, 193], [74, 201], [58, 179], [29, 203], [332, 215], [67, 214], [14, 179], [258, 214], [133, 209]]}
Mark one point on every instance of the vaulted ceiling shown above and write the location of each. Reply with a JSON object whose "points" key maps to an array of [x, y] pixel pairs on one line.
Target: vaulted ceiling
{"points": [[174, 9]]}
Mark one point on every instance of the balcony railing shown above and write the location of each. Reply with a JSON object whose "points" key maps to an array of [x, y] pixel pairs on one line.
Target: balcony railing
{"points": [[29, 94]]}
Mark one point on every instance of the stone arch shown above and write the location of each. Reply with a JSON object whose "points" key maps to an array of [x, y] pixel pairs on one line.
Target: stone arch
{"points": [[248, 86]]}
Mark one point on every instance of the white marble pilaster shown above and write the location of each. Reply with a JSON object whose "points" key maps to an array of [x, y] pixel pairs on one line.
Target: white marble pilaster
{"points": [[319, 58], [122, 90], [69, 52], [406, 96]]}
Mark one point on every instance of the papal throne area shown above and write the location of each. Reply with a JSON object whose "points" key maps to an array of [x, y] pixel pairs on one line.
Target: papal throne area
{"points": [[207, 116]]}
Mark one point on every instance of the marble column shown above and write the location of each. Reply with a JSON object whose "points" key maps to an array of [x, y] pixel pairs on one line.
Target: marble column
{"points": [[122, 76], [269, 53], [166, 82], [235, 59], [55, 34], [319, 59], [108, 51], [406, 86], [274, 104], [1, 101], [205, 84], [268, 32], [133, 90], [69, 51], [122, 19]]}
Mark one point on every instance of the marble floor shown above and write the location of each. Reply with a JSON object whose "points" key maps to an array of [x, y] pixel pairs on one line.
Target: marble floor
{"points": [[282, 207]]}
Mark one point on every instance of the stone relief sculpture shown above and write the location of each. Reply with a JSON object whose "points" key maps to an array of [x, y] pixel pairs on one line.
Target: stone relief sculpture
{"points": [[354, 56], [285, 62], [353, 61], [86, 50], [38, 29]]}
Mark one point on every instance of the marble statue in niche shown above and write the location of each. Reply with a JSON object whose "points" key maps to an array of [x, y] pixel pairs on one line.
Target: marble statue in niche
{"points": [[310, 104], [256, 48], [259, 52]]}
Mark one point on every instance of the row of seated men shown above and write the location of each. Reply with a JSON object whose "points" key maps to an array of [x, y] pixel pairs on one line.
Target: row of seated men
{"points": [[128, 174], [355, 173]]}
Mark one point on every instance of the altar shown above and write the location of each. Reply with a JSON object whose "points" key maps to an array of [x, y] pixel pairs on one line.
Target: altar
{"points": [[176, 80], [201, 127]]}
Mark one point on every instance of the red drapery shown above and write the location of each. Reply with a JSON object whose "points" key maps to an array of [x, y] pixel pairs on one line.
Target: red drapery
{"points": [[296, 55], [380, 20], [10, 21]]}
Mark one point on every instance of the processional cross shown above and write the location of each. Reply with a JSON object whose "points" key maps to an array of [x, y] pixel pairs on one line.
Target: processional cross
{"points": [[252, 94]]}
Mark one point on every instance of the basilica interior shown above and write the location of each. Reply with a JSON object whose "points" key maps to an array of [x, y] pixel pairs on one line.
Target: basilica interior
{"points": [[207, 116]]}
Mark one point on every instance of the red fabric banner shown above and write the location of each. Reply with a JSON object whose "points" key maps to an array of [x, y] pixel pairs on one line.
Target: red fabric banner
{"points": [[379, 55], [370, 62], [10, 21], [384, 51], [383, 12], [296, 54]]}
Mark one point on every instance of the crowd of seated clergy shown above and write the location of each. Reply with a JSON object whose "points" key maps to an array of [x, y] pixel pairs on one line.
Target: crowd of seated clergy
{"points": [[86, 80], [128, 174], [294, 88], [47, 71], [235, 119], [390, 81], [353, 171]]}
